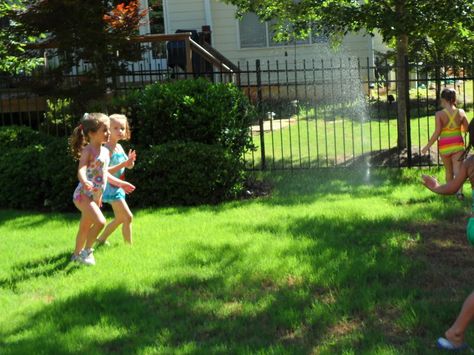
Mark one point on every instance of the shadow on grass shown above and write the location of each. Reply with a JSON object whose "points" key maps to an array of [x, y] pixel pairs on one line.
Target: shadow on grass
{"points": [[19, 219], [45, 267], [360, 294]]}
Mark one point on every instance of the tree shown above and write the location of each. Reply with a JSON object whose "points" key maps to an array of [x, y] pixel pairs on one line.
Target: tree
{"points": [[13, 56], [92, 31], [398, 21]]}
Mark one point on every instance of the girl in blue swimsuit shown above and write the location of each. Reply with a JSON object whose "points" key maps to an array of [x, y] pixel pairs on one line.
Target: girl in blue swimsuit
{"points": [[115, 196]]}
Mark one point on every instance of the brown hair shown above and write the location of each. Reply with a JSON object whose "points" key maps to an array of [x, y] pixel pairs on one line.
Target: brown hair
{"points": [[90, 122], [449, 95], [119, 117]]}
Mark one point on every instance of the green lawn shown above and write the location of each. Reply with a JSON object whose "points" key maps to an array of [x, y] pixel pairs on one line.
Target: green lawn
{"points": [[334, 262], [322, 143]]}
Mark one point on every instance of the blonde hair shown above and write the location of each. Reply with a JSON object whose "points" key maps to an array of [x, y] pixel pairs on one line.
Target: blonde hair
{"points": [[90, 122], [120, 117]]}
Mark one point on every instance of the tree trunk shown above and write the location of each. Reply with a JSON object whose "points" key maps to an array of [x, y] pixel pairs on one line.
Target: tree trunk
{"points": [[402, 82]]}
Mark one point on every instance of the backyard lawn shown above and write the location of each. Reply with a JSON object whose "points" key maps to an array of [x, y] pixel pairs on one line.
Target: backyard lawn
{"points": [[334, 261]]}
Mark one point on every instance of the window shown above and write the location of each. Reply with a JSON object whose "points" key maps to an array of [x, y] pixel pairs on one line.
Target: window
{"points": [[253, 33], [257, 34]]}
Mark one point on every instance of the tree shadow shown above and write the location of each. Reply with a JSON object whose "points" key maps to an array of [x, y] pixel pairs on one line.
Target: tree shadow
{"points": [[20, 219], [44, 267]]}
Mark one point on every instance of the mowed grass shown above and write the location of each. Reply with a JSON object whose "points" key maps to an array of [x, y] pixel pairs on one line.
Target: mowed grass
{"points": [[333, 262], [310, 142]]}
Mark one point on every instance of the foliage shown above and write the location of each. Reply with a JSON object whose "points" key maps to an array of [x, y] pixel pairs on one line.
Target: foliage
{"points": [[59, 116], [97, 33], [195, 111], [13, 54], [36, 170], [185, 173], [448, 27]]}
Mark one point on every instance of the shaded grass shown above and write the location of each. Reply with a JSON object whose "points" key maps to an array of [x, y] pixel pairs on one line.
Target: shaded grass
{"points": [[333, 262]]}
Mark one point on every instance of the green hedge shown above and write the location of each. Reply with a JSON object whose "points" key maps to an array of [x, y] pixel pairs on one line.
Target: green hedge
{"points": [[185, 174], [36, 170], [190, 137], [194, 111]]}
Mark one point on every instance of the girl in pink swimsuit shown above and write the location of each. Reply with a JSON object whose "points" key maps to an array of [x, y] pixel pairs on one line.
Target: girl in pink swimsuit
{"points": [[86, 145]]}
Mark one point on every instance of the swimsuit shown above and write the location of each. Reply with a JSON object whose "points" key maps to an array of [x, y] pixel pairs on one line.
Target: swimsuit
{"points": [[470, 225], [114, 193], [96, 173], [450, 139]]}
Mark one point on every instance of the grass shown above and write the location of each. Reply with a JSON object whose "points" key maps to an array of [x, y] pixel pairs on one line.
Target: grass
{"points": [[335, 134], [335, 261]]}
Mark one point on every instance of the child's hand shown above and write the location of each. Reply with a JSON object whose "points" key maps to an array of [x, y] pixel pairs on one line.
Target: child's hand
{"points": [[127, 187], [430, 182], [132, 156], [88, 186], [425, 149]]}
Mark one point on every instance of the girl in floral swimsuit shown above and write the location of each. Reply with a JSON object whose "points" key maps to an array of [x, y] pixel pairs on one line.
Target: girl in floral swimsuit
{"points": [[86, 145]]}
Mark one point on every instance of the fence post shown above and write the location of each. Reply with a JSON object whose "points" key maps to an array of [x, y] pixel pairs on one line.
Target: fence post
{"points": [[260, 115], [408, 114]]}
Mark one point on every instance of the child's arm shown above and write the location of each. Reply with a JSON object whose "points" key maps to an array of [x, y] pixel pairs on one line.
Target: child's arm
{"points": [[464, 123], [129, 163], [82, 170], [450, 187], [436, 133], [120, 183]]}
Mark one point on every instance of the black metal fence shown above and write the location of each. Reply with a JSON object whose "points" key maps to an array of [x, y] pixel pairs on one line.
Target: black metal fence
{"points": [[311, 113]]}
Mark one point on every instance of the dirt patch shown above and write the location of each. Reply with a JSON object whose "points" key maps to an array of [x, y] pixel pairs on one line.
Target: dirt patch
{"points": [[446, 254]]}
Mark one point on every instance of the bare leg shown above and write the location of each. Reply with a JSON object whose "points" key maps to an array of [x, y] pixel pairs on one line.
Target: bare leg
{"points": [[457, 166], [122, 215], [455, 334], [448, 167], [92, 221]]}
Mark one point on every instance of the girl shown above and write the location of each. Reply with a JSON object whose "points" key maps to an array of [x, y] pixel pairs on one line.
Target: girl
{"points": [[86, 145], [450, 122], [115, 195], [454, 336]]}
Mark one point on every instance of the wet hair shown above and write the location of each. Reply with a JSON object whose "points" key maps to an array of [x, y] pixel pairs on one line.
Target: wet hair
{"points": [[470, 131], [449, 95], [119, 117], [90, 122]]}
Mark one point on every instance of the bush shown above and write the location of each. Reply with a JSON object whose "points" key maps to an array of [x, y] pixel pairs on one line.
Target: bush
{"points": [[185, 173], [58, 174], [195, 111], [20, 136], [36, 170], [20, 186]]}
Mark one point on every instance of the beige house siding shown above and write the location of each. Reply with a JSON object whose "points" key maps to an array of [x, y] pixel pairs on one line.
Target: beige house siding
{"points": [[191, 14], [184, 15]]}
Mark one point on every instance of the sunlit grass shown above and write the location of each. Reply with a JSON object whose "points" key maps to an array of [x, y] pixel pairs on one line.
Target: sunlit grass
{"points": [[330, 263]]}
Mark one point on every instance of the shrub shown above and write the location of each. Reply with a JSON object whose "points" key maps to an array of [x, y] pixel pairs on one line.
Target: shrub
{"points": [[20, 136], [185, 173], [195, 111], [36, 170], [20, 186], [58, 174]]}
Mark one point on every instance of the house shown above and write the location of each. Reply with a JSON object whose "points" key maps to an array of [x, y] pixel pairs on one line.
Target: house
{"points": [[248, 39]]}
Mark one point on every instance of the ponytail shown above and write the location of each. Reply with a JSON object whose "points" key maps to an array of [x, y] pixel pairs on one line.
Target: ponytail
{"points": [[77, 141]]}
